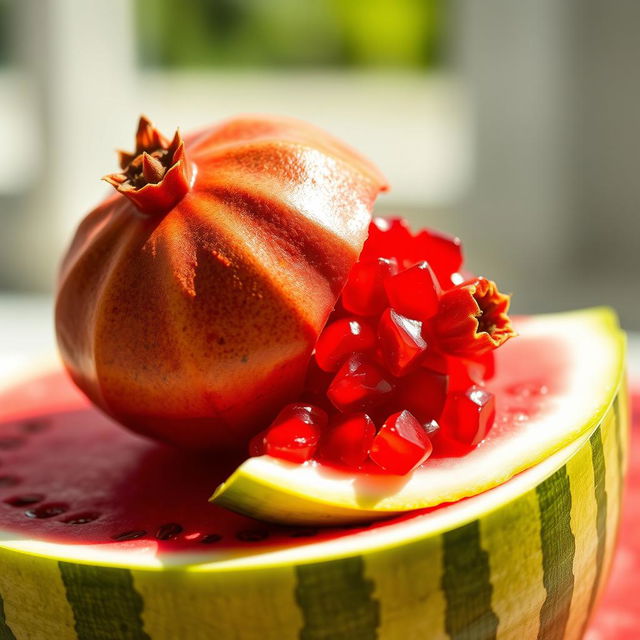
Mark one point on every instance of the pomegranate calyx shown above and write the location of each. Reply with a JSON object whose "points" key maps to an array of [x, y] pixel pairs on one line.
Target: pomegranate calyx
{"points": [[473, 319], [157, 175]]}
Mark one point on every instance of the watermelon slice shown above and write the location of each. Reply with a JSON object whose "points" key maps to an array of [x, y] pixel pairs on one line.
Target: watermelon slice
{"points": [[106, 535], [552, 385]]}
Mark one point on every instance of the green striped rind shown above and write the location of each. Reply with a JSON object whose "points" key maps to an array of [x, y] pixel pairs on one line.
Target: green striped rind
{"points": [[104, 602], [5, 630], [558, 546], [336, 601], [531, 567], [466, 583]]}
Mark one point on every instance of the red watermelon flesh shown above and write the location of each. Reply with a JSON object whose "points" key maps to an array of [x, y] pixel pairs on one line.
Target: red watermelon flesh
{"points": [[70, 475], [97, 484]]}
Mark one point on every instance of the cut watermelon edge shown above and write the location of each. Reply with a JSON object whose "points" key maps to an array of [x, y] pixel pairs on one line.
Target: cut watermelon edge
{"points": [[333, 499]]}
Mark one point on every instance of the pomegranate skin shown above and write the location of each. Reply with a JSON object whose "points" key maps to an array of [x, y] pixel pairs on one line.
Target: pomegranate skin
{"points": [[195, 325]]}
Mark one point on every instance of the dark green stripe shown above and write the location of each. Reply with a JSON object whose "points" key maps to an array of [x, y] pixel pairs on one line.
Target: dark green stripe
{"points": [[5, 630], [336, 601], [466, 582], [104, 602], [558, 550], [621, 424], [600, 492]]}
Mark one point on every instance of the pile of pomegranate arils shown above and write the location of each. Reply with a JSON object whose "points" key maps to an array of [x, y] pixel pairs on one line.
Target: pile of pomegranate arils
{"points": [[399, 369]]}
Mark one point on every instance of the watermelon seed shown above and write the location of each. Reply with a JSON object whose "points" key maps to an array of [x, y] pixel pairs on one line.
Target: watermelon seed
{"points": [[129, 535], [34, 426], [11, 443], [255, 535], [168, 531], [210, 538], [82, 518], [24, 500], [47, 510], [9, 481], [304, 533]]}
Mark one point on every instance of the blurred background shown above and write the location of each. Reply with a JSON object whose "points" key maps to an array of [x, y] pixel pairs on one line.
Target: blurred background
{"points": [[512, 124]]}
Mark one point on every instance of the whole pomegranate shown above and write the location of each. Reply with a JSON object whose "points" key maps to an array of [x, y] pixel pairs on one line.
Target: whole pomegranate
{"points": [[190, 300]]}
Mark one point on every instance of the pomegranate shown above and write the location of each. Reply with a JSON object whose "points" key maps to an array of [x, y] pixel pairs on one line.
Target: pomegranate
{"points": [[190, 300]]}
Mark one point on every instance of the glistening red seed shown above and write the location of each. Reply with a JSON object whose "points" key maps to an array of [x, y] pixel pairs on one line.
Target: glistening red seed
{"points": [[401, 445], [388, 238], [414, 292], [443, 251], [295, 433], [359, 385], [401, 342], [342, 338], [470, 414], [424, 393], [364, 292], [348, 440]]}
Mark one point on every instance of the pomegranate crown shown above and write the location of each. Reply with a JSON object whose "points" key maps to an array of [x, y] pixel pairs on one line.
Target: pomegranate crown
{"points": [[157, 175]]}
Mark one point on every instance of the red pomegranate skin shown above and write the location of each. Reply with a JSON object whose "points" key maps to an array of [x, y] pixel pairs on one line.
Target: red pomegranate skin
{"points": [[195, 325]]}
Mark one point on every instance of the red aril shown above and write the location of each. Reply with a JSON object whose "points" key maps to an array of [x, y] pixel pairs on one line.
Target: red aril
{"points": [[469, 415], [401, 444], [364, 292], [443, 251], [388, 238], [466, 372], [342, 338], [359, 385], [294, 434], [414, 292], [401, 342], [348, 440], [424, 393], [435, 361]]}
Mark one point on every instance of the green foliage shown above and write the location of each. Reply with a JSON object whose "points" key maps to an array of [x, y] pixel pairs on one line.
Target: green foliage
{"points": [[290, 33]]}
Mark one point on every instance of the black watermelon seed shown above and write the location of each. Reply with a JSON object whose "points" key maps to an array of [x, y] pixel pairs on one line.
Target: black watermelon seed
{"points": [[47, 510], [168, 531], [34, 426], [210, 538], [82, 518], [129, 535], [304, 533], [252, 535], [10, 443], [25, 499], [9, 481]]}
